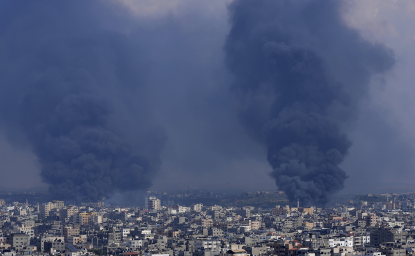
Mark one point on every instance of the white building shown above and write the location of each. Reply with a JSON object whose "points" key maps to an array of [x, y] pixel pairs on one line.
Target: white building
{"points": [[125, 232], [360, 240], [197, 207], [136, 243], [183, 209], [97, 219], [153, 204], [207, 244], [343, 242], [371, 253]]}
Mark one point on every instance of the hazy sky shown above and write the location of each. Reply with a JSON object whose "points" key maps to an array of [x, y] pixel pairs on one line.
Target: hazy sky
{"points": [[206, 146]]}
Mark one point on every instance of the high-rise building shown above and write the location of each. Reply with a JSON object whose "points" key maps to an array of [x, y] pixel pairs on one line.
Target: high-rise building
{"points": [[245, 213], [153, 203], [70, 232], [45, 209], [67, 212], [83, 218], [197, 207]]}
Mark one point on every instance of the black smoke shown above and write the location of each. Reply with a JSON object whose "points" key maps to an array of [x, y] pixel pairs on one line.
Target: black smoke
{"points": [[299, 75], [66, 91]]}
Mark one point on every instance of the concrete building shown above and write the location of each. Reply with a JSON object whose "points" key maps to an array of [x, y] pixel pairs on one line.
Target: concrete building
{"points": [[208, 223], [48, 241], [197, 207], [44, 210], [383, 235], [83, 218], [206, 244], [97, 219], [307, 210], [237, 252], [70, 232], [27, 230], [58, 204], [280, 210], [67, 212], [245, 213], [54, 245], [136, 243], [153, 204], [19, 241], [255, 225]]}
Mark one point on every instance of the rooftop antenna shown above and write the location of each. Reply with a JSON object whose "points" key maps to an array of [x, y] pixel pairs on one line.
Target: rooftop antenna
{"points": [[298, 203]]}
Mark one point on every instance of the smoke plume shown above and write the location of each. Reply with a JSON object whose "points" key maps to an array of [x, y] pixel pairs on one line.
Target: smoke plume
{"points": [[299, 75], [65, 88]]}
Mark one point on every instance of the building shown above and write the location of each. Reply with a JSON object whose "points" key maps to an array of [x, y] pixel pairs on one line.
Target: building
{"points": [[359, 241], [237, 252], [97, 219], [19, 241], [372, 219], [48, 242], [208, 223], [70, 232], [44, 210], [383, 235], [83, 218], [136, 243], [307, 210], [215, 232], [342, 242], [392, 249], [255, 225], [207, 244], [54, 245], [27, 231], [280, 210], [58, 204], [245, 213], [153, 203], [197, 207], [67, 213]]}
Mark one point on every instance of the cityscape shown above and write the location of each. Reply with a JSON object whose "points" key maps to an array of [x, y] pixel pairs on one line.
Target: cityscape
{"points": [[383, 225], [207, 127]]}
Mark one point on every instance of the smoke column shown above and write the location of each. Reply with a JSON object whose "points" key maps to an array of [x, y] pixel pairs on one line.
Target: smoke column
{"points": [[299, 75], [65, 89]]}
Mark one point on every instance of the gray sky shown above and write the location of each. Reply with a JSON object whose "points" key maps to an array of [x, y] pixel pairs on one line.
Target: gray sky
{"points": [[191, 103]]}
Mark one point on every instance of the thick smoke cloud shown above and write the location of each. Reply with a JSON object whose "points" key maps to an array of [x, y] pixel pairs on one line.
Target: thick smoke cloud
{"points": [[93, 68], [66, 87], [300, 72]]}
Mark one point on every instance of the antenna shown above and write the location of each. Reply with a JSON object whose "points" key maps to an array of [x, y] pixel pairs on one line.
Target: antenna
{"points": [[298, 203]]}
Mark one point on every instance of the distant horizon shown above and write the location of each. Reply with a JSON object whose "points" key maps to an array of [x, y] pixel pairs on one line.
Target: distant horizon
{"points": [[399, 188]]}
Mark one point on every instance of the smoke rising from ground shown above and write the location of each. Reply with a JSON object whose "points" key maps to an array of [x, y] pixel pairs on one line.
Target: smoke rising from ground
{"points": [[72, 68], [300, 72], [65, 88]]}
